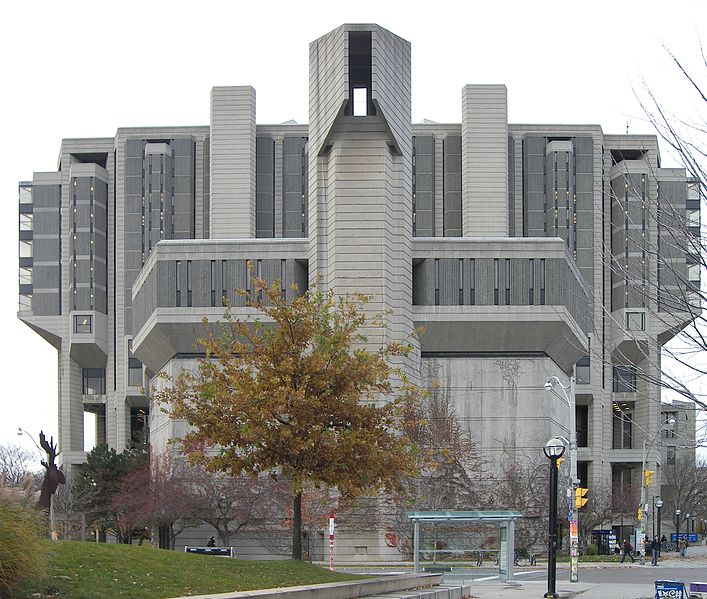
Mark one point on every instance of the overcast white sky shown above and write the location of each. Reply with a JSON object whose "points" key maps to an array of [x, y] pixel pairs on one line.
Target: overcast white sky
{"points": [[83, 69]]}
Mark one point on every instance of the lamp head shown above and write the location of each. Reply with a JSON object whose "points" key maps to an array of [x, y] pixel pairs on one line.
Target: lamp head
{"points": [[671, 421], [548, 385], [554, 449], [678, 512], [659, 503]]}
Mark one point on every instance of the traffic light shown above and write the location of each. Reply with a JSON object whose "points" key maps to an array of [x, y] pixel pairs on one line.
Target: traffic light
{"points": [[640, 514], [559, 462], [648, 474], [580, 497]]}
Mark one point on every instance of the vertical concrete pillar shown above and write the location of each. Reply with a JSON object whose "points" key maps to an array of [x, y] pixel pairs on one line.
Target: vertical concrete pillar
{"points": [[484, 161], [232, 163]]}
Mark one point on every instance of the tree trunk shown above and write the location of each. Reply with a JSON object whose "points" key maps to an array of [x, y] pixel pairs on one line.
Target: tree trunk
{"points": [[297, 527]]}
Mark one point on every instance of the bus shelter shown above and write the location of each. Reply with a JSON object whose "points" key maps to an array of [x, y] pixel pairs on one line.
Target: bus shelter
{"points": [[503, 519]]}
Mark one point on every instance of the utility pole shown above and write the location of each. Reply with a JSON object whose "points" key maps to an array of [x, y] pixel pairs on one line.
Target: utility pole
{"points": [[645, 483], [573, 482], [572, 515]]}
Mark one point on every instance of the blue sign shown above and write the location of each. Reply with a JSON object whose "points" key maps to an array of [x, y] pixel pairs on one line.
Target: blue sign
{"points": [[670, 589], [690, 536]]}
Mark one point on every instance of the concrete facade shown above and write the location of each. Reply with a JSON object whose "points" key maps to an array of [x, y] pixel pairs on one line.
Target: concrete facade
{"points": [[525, 251]]}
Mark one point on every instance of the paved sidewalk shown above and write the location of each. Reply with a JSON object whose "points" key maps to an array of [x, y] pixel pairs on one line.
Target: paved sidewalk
{"points": [[696, 559]]}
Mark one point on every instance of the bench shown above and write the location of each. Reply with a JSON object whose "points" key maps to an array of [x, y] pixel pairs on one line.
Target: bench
{"points": [[437, 569], [216, 551]]}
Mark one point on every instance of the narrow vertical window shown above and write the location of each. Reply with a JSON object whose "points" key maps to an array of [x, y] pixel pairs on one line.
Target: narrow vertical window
{"points": [[507, 280], [436, 281], [414, 188], [461, 281], [189, 283], [178, 283], [531, 281], [224, 295], [472, 282], [248, 274], [542, 281], [496, 280], [283, 279], [259, 275], [213, 283]]}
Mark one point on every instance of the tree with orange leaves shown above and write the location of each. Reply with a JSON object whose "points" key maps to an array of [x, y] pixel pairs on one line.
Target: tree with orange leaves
{"points": [[293, 392]]}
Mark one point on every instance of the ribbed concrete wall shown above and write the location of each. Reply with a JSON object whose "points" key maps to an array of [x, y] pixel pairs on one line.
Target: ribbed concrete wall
{"points": [[232, 163], [46, 236], [392, 84], [484, 161], [361, 186]]}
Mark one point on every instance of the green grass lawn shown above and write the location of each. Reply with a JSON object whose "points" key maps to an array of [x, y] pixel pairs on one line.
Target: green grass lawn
{"points": [[101, 571]]}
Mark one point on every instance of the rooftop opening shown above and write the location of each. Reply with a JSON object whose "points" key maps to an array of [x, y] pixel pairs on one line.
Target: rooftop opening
{"points": [[621, 155], [99, 158]]}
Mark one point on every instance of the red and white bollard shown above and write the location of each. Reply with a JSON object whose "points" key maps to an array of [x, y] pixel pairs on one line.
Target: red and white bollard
{"points": [[331, 541]]}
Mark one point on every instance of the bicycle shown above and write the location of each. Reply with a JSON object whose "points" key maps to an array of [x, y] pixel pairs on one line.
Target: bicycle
{"points": [[491, 555]]}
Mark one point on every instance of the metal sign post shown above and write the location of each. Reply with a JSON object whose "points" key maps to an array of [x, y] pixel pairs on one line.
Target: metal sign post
{"points": [[331, 541]]}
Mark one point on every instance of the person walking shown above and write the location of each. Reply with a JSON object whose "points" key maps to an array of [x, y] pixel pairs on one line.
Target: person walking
{"points": [[627, 551], [655, 550], [682, 546]]}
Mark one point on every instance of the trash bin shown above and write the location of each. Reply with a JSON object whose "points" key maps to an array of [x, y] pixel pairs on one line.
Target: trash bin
{"points": [[670, 589]]}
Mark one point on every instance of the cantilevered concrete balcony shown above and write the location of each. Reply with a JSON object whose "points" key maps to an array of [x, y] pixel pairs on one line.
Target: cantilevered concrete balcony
{"points": [[495, 296], [184, 281]]}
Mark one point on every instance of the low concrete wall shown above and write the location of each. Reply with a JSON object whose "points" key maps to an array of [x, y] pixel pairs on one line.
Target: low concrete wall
{"points": [[336, 590]]}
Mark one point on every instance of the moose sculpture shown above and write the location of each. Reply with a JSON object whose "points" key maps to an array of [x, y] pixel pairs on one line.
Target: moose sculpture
{"points": [[53, 477]]}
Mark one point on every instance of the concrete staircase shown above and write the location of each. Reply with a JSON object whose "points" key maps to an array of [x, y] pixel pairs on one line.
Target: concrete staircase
{"points": [[443, 591]]}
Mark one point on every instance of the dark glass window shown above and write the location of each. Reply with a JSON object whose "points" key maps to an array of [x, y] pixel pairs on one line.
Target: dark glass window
{"points": [[436, 281], [139, 431], [583, 371], [583, 474], [178, 283], [472, 282], [213, 283], [622, 430], [507, 280], [83, 323], [189, 283], [94, 381], [582, 424], [134, 368], [624, 379]]}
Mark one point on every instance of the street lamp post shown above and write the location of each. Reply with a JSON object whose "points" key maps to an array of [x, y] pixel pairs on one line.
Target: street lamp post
{"points": [[677, 529], [658, 505], [573, 480], [554, 449], [643, 505]]}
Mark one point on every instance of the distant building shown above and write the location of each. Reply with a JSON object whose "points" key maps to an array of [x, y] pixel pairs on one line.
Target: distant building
{"points": [[524, 250]]}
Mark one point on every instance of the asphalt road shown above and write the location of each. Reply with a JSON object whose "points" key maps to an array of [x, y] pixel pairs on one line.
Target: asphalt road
{"points": [[626, 573]]}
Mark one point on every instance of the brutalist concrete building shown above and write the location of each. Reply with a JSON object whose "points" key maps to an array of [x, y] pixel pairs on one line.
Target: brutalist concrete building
{"points": [[524, 250]]}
